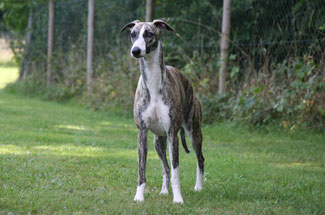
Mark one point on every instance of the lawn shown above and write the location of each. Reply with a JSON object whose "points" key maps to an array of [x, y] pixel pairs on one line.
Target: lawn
{"points": [[64, 159]]}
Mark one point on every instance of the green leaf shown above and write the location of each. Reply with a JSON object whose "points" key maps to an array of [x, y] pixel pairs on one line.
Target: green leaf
{"points": [[249, 102], [321, 110], [258, 89], [280, 108], [232, 57], [234, 72]]}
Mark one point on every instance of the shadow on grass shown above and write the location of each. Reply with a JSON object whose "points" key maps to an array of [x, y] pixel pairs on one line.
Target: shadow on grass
{"points": [[59, 178]]}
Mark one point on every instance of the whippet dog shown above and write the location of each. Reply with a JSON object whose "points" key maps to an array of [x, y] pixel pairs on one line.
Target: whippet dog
{"points": [[164, 104]]}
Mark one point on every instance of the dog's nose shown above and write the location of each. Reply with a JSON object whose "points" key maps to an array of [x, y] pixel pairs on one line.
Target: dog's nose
{"points": [[136, 51]]}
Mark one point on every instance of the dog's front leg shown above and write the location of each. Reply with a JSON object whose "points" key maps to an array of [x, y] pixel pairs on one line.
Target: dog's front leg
{"points": [[142, 159], [174, 160], [161, 146]]}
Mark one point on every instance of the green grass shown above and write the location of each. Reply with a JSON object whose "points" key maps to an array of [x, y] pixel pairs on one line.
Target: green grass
{"points": [[63, 159]]}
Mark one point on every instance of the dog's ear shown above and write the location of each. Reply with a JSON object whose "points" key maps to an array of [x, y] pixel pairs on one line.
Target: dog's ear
{"points": [[130, 25], [163, 25]]}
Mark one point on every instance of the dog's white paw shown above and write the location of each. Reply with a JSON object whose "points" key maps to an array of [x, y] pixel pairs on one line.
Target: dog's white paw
{"points": [[163, 192], [178, 200], [197, 188], [139, 196], [177, 197], [199, 179]]}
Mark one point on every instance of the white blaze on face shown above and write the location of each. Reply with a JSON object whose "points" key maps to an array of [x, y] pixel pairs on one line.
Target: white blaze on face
{"points": [[140, 43]]}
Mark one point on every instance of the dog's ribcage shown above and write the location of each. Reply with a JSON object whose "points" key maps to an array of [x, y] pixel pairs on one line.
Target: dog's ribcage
{"points": [[157, 116], [159, 103]]}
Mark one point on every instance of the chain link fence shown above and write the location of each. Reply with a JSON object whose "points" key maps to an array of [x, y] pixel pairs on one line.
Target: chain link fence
{"points": [[278, 29], [266, 36]]}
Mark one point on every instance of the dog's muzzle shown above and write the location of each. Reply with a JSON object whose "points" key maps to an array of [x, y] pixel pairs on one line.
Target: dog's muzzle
{"points": [[136, 52]]}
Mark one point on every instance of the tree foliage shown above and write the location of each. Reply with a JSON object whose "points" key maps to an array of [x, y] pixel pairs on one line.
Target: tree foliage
{"points": [[276, 62]]}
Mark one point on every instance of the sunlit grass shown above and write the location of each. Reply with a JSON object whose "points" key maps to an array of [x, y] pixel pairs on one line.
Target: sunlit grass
{"points": [[12, 149], [6, 54], [7, 75], [69, 150], [72, 127], [309, 165], [61, 159]]}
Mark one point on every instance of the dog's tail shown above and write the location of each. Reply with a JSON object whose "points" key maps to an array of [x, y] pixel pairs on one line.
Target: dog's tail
{"points": [[183, 140]]}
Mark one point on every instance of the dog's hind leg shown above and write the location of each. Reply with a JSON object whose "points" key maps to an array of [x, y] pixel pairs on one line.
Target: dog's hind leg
{"points": [[193, 130], [160, 146], [197, 145]]}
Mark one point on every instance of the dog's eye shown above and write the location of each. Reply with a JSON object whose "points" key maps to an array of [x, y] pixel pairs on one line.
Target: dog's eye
{"points": [[133, 34], [148, 34]]}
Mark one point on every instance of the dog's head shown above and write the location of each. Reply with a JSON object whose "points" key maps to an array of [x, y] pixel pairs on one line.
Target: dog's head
{"points": [[145, 36]]}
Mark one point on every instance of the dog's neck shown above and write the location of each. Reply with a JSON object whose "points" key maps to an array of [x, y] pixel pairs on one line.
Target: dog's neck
{"points": [[152, 68]]}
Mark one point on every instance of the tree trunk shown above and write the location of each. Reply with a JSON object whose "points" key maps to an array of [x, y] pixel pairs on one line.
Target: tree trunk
{"points": [[90, 44], [149, 10], [50, 42], [26, 58], [226, 14]]}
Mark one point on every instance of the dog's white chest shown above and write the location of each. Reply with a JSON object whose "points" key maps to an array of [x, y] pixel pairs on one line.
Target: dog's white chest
{"points": [[156, 117]]}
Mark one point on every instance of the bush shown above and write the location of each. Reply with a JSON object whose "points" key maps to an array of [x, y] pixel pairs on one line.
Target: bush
{"points": [[294, 96]]}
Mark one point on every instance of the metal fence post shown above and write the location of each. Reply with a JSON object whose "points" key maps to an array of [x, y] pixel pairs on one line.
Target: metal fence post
{"points": [[90, 44], [149, 10], [226, 14], [50, 42]]}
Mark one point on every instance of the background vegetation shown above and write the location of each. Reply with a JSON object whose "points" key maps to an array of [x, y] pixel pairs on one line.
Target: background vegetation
{"points": [[276, 72], [63, 159]]}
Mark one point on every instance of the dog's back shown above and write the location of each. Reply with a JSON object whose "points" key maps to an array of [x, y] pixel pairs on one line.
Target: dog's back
{"points": [[191, 105]]}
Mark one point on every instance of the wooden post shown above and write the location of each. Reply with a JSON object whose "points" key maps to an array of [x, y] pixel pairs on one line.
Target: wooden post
{"points": [[149, 10], [50, 42], [90, 43], [26, 58], [226, 15]]}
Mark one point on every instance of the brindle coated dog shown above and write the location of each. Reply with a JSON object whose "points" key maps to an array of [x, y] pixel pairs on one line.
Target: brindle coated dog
{"points": [[164, 104]]}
